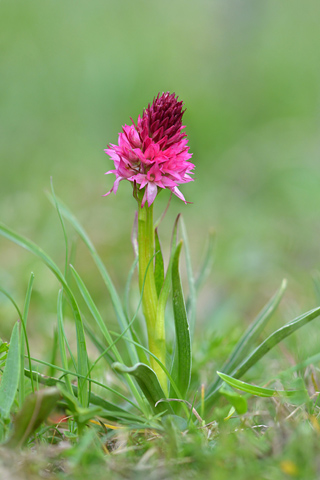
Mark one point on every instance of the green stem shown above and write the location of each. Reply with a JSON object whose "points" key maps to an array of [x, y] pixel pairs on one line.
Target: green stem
{"points": [[155, 328]]}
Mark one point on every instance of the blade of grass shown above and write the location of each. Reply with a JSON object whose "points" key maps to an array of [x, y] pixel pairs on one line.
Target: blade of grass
{"points": [[316, 284], [65, 212], [63, 229], [239, 402], [95, 312], [54, 351], [24, 340], [314, 359], [139, 398], [81, 343], [62, 346], [96, 341], [11, 373], [94, 398], [11, 299], [91, 380], [191, 304], [273, 340], [166, 286], [103, 328], [251, 335], [255, 390], [207, 261]]}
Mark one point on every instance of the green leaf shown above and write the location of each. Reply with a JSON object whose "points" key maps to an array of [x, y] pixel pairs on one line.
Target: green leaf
{"points": [[65, 236], [109, 410], [4, 347], [182, 363], [95, 312], [314, 359], [24, 340], [254, 330], [61, 339], [250, 336], [91, 380], [35, 409], [159, 265], [103, 328], [163, 367], [148, 383], [81, 343], [116, 302], [2, 290], [96, 340], [316, 284], [207, 262], [265, 347], [10, 377], [273, 340], [80, 414], [191, 304], [239, 402], [254, 390], [166, 286]]}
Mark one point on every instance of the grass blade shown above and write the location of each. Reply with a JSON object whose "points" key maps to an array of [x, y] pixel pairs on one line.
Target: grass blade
{"points": [[207, 261], [24, 340], [95, 312], [11, 299], [94, 399], [239, 402], [104, 330], [62, 345], [255, 329], [254, 390], [81, 343], [91, 380], [274, 339], [251, 334], [191, 305], [166, 286], [116, 302], [95, 339], [10, 377], [65, 236], [265, 347]]}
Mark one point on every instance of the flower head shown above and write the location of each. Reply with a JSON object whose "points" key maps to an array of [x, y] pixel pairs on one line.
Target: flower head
{"points": [[153, 153]]}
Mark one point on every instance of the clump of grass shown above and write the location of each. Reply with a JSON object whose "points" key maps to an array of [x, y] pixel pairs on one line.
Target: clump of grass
{"points": [[133, 400]]}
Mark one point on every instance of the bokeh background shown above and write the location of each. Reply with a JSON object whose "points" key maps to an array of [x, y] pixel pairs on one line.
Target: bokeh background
{"points": [[73, 72]]}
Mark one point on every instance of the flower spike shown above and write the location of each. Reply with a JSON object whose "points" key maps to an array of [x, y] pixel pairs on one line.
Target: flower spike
{"points": [[153, 152]]}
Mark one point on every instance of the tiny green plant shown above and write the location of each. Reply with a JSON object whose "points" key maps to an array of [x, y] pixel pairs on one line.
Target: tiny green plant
{"points": [[153, 155]]}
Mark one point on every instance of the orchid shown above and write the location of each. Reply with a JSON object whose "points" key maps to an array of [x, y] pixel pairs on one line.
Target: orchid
{"points": [[153, 153]]}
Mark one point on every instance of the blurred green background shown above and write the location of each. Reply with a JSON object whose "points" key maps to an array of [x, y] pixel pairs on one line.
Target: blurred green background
{"points": [[73, 72]]}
